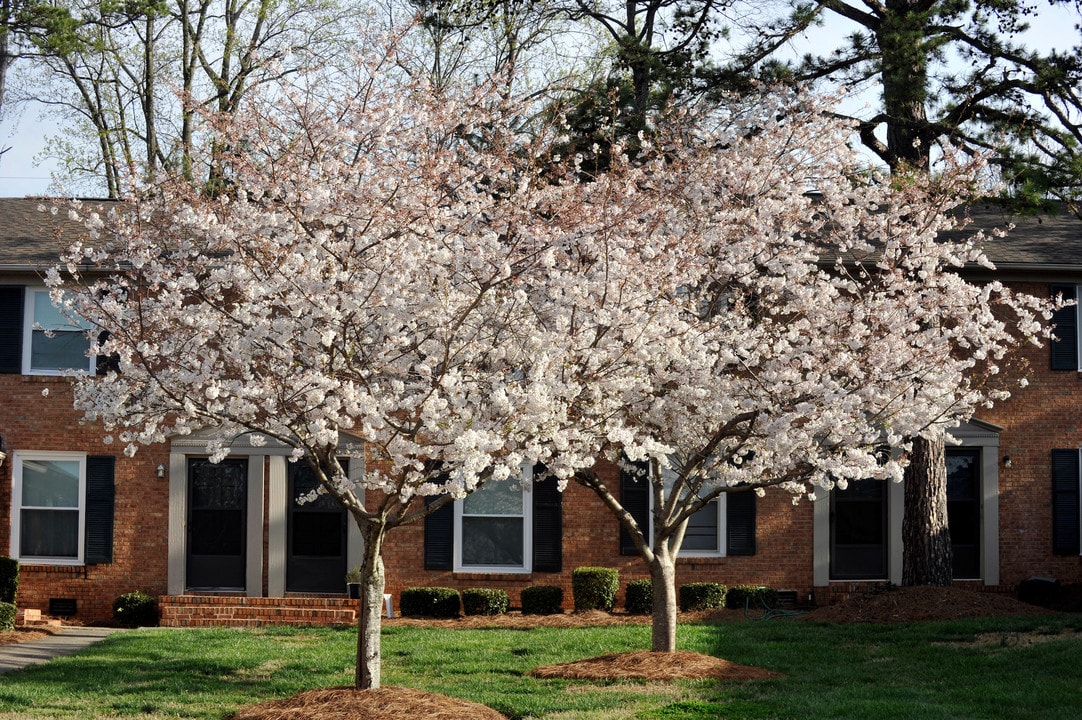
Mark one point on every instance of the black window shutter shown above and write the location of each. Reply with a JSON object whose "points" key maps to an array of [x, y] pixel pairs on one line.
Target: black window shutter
{"points": [[439, 536], [635, 497], [1065, 498], [1065, 347], [100, 495], [547, 525], [740, 523], [11, 328]]}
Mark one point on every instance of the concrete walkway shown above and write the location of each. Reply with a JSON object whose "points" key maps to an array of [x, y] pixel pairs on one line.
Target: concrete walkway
{"points": [[65, 642]]}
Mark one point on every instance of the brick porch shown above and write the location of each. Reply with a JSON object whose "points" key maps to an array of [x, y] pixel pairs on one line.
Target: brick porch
{"points": [[240, 611]]}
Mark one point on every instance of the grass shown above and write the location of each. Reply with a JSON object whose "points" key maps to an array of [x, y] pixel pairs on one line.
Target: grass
{"points": [[989, 669]]}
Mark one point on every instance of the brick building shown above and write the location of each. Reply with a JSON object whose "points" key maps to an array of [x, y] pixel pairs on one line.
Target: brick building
{"points": [[226, 543]]}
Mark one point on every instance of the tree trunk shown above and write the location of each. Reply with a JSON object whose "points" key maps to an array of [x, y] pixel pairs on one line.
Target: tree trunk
{"points": [[926, 541], [367, 676], [663, 585]]}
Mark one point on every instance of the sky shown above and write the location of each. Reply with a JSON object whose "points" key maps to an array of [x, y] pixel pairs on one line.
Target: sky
{"points": [[24, 171]]}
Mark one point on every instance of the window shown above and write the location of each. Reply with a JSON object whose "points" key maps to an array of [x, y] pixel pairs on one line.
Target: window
{"points": [[62, 508], [725, 526], [48, 500], [493, 528], [52, 345], [504, 527]]}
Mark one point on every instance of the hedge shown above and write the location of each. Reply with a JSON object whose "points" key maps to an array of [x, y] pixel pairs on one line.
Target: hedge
{"points": [[9, 579], [542, 600], [485, 601], [639, 597], [754, 596], [435, 602], [135, 609], [702, 596], [595, 588]]}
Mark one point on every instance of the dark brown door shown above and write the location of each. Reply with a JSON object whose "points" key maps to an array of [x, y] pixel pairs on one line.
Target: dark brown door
{"points": [[217, 527], [316, 545], [858, 531]]}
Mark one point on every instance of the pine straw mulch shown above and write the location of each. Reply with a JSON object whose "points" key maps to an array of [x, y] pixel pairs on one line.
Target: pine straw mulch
{"points": [[21, 635], [890, 603], [648, 665], [385, 703]]}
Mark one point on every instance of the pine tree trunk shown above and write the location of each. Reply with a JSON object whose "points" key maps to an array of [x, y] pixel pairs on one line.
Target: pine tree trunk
{"points": [[926, 541], [663, 620], [367, 676]]}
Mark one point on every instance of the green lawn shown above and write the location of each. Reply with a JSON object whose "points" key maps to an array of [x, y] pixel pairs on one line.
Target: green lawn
{"points": [[989, 669]]}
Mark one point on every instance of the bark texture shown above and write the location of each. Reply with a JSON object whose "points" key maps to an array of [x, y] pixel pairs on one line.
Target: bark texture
{"points": [[663, 621], [367, 676], [927, 557]]}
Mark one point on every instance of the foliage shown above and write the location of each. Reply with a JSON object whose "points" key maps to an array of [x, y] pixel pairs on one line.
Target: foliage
{"points": [[436, 602], [639, 596], [135, 609], [738, 597], [595, 588], [959, 73], [485, 601], [7, 615], [702, 596], [9, 579], [542, 600]]}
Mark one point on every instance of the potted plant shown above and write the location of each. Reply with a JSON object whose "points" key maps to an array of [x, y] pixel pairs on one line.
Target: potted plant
{"points": [[353, 583]]}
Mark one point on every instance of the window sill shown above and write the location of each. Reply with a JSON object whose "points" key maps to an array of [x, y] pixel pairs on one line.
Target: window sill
{"points": [[57, 569], [482, 575]]}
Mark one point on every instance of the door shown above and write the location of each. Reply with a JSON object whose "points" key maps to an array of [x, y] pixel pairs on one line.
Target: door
{"points": [[217, 523], [858, 531], [316, 543], [964, 510]]}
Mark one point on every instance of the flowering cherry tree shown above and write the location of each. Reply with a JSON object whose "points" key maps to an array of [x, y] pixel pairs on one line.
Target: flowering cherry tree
{"points": [[405, 267], [350, 287], [748, 307]]}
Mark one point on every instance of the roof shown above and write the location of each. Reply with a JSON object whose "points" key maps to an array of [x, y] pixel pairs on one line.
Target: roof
{"points": [[1041, 243], [31, 239], [1039, 246]]}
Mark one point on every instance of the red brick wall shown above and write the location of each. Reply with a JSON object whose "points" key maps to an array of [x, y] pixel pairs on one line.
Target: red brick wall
{"points": [[30, 421], [1045, 415]]}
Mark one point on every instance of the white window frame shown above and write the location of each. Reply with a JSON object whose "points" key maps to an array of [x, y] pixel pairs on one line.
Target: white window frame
{"points": [[722, 525], [527, 533], [722, 534], [35, 294], [18, 460]]}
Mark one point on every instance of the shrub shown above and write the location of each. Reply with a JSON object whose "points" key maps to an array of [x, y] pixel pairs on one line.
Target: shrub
{"points": [[542, 600], [639, 597], [594, 588], [485, 601], [702, 596], [9, 579], [7, 616], [755, 596], [435, 602], [135, 609]]}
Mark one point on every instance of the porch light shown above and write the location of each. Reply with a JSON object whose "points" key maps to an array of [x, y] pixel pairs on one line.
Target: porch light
{"points": [[3, 454], [160, 470], [1006, 461]]}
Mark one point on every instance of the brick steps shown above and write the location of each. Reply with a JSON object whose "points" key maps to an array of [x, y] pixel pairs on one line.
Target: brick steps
{"points": [[239, 611], [32, 618]]}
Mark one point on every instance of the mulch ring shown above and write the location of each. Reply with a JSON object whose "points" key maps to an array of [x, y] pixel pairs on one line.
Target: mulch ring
{"points": [[649, 665], [891, 603], [386, 703]]}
